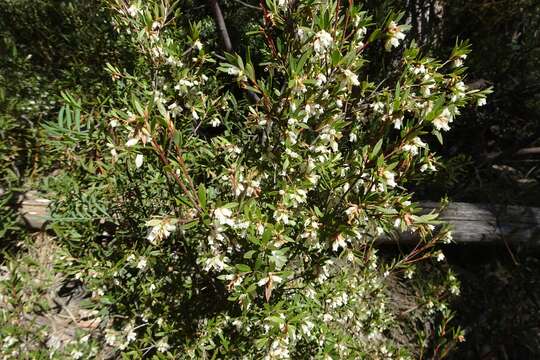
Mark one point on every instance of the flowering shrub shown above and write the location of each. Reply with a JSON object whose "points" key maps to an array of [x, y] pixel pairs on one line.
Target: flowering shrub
{"points": [[239, 201]]}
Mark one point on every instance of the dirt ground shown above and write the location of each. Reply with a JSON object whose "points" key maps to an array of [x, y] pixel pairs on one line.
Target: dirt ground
{"points": [[500, 303]]}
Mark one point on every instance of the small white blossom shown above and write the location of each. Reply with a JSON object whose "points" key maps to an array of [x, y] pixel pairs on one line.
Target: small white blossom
{"points": [[440, 256], [198, 45], [223, 216], [133, 10], [398, 122], [339, 242], [389, 176], [139, 160], [442, 121], [351, 77], [215, 122], [458, 62], [321, 79], [394, 36], [217, 263], [110, 337], [76, 354], [283, 3], [161, 229], [300, 34], [132, 142], [323, 42], [269, 278], [162, 346], [377, 106], [141, 265], [131, 334], [448, 238], [481, 101]]}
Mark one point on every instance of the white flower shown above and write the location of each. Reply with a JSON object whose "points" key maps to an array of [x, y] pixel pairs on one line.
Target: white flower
{"points": [[418, 142], [339, 103], [9, 341], [282, 216], [132, 142], [419, 69], [377, 106], [162, 345], [409, 273], [194, 114], [440, 256], [339, 242], [233, 71], [481, 101], [413, 148], [198, 45], [76, 354], [283, 3], [300, 34], [353, 137], [133, 10], [321, 79], [215, 122], [448, 238], [389, 176], [428, 166], [139, 160], [442, 121], [184, 82], [394, 36], [223, 216], [398, 122], [460, 87], [459, 60], [307, 327], [217, 263], [270, 278], [161, 229], [132, 335], [351, 77], [110, 337], [141, 265], [323, 42]]}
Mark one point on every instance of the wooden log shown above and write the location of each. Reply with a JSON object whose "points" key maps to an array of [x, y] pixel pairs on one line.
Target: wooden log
{"points": [[485, 224], [471, 223], [34, 210]]}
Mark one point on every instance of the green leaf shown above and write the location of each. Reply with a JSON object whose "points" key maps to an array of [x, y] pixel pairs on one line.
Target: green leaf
{"points": [[267, 235], [243, 268], [202, 195], [376, 149]]}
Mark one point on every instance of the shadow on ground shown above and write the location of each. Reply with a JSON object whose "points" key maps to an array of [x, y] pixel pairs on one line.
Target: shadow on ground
{"points": [[500, 303]]}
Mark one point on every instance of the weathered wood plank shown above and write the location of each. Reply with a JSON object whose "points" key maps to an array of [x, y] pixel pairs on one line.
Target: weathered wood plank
{"points": [[34, 210], [486, 224], [471, 223]]}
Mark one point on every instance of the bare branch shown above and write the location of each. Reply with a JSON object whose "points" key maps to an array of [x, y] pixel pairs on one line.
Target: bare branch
{"points": [[220, 23]]}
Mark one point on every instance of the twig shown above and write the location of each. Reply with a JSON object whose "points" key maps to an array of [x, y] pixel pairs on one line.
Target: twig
{"points": [[248, 5], [220, 23]]}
